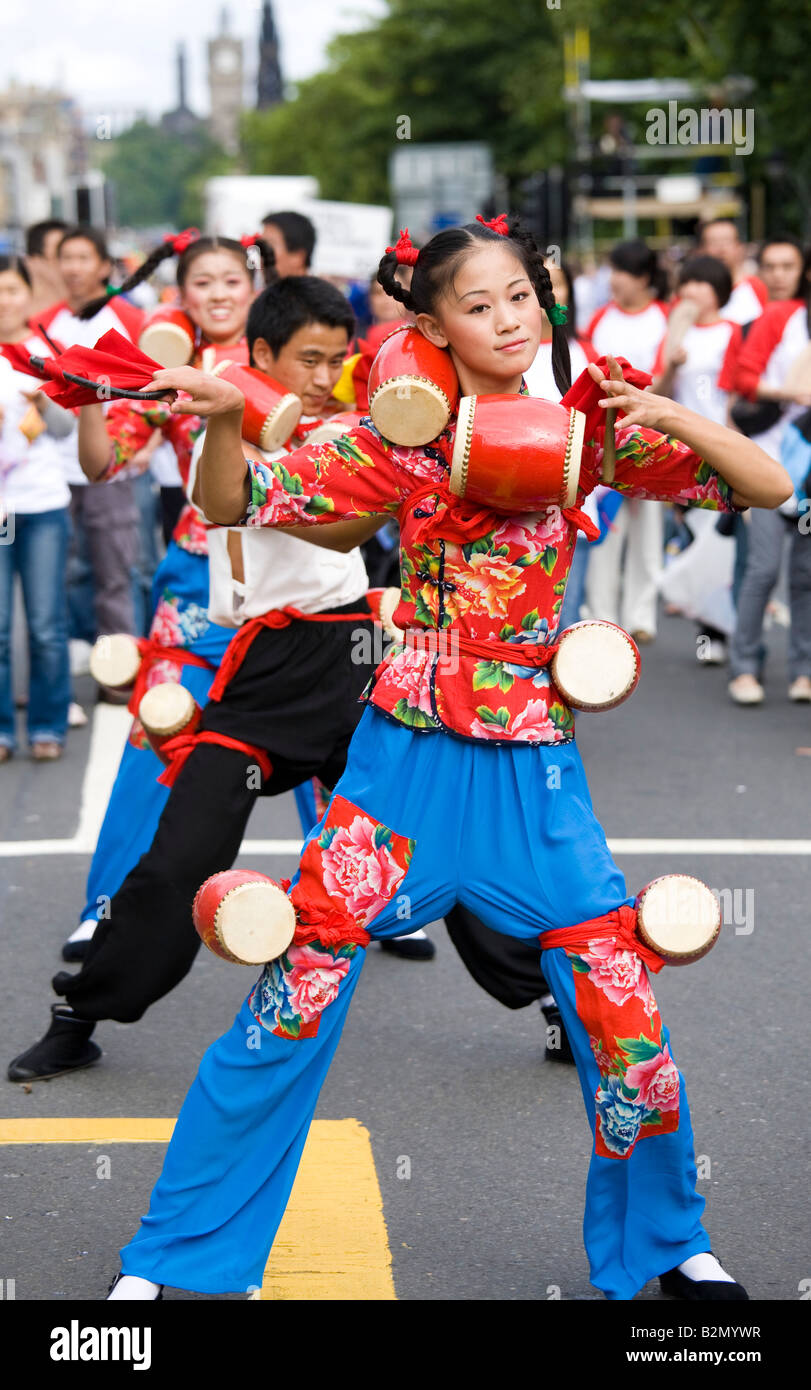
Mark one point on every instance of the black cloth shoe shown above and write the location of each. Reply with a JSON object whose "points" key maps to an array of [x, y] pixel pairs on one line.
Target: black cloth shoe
{"points": [[563, 1051], [409, 948], [73, 951], [120, 1276], [65, 1047], [677, 1285]]}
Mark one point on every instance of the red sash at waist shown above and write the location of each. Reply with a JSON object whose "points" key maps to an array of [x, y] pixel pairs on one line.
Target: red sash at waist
{"points": [[446, 641], [618, 926], [237, 648]]}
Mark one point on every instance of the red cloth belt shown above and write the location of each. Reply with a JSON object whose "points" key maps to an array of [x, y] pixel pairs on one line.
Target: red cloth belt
{"points": [[237, 648], [330, 927], [178, 749], [151, 653], [488, 648], [466, 521], [618, 926]]}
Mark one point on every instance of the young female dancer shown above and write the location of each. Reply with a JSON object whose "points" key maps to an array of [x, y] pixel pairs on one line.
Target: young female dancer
{"points": [[446, 796], [215, 287]]}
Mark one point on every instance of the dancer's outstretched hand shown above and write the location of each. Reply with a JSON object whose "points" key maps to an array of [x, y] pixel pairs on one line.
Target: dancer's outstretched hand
{"points": [[203, 394]]}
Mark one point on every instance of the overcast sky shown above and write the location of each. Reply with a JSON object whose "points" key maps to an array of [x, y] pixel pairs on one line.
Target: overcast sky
{"points": [[119, 55]]}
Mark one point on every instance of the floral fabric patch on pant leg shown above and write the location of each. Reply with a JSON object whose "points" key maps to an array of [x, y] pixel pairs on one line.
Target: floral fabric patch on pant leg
{"points": [[638, 1096], [347, 877]]}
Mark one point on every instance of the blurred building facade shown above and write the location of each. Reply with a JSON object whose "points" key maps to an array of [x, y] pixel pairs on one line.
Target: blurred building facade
{"points": [[43, 152]]}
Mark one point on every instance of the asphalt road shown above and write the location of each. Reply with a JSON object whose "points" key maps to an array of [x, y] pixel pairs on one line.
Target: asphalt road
{"points": [[439, 1072]]}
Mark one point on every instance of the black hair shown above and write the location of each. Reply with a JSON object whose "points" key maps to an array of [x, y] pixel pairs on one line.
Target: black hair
{"points": [[566, 271], [710, 271], [18, 266], [91, 234], [186, 259], [35, 234], [297, 230], [637, 258], [440, 259], [292, 303]]}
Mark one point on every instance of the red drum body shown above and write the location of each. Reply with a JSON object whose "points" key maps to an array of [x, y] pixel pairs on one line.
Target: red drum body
{"points": [[210, 354], [115, 661], [166, 711], [271, 412], [333, 428], [596, 666], [383, 603], [243, 916], [168, 335], [679, 917], [517, 453], [413, 388]]}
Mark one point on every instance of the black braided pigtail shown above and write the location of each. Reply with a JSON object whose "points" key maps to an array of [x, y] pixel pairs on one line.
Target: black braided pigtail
{"points": [[542, 284], [387, 278], [147, 268], [268, 258]]}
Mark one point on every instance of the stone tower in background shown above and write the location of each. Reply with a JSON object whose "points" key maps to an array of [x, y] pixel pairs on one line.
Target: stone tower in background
{"points": [[269, 80], [225, 80]]}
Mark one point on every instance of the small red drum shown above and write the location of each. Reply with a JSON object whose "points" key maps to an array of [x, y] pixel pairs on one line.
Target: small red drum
{"points": [[516, 453], [679, 917], [212, 353], [115, 661], [383, 602], [244, 917], [168, 336], [271, 413], [333, 428], [413, 388], [165, 711], [596, 665]]}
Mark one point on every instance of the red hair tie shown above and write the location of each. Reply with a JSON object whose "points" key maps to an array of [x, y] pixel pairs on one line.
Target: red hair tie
{"points": [[498, 224], [247, 241], [183, 240], [404, 251]]}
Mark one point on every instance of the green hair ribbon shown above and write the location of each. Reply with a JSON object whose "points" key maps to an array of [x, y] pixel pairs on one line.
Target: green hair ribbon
{"points": [[112, 290], [558, 314]]}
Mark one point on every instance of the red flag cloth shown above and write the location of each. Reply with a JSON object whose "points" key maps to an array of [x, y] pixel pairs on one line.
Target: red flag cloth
{"points": [[584, 393], [619, 926], [20, 359], [114, 362]]}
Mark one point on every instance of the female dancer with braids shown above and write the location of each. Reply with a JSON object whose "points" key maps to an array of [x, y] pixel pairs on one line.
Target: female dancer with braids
{"points": [[215, 283], [445, 797]]}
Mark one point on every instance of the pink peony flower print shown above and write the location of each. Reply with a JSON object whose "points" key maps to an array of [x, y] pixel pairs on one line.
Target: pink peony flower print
{"points": [[657, 1082], [533, 722], [165, 627], [313, 980], [534, 532], [161, 673], [281, 506], [619, 974], [363, 874], [409, 673], [705, 492]]}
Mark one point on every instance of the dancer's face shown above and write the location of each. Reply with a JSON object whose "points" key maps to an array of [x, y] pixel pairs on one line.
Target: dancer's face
{"points": [[15, 303], [490, 319], [217, 294], [309, 364]]}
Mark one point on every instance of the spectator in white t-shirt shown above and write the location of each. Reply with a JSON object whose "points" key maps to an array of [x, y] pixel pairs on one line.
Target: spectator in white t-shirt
{"points": [[105, 518], [624, 569]]}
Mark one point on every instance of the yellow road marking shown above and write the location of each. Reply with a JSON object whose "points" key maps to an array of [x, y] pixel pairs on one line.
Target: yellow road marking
{"points": [[332, 1243]]}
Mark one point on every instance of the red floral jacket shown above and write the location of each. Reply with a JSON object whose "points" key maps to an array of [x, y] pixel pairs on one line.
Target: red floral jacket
{"points": [[465, 579], [130, 425]]}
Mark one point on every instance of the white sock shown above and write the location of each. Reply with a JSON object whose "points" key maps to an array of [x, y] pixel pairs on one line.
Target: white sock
{"points": [[705, 1266], [131, 1287], [418, 935], [85, 930]]}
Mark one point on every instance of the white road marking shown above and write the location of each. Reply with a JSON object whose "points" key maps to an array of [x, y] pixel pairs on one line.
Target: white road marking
{"points": [[109, 734]]}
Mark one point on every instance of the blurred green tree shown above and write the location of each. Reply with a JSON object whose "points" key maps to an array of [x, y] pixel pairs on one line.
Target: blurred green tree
{"points": [[159, 177]]}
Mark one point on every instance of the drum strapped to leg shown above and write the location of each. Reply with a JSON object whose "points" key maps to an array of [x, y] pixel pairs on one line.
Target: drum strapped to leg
{"points": [[115, 660], [517, 453], [676, 920], [165, 711], [244, 917]]}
